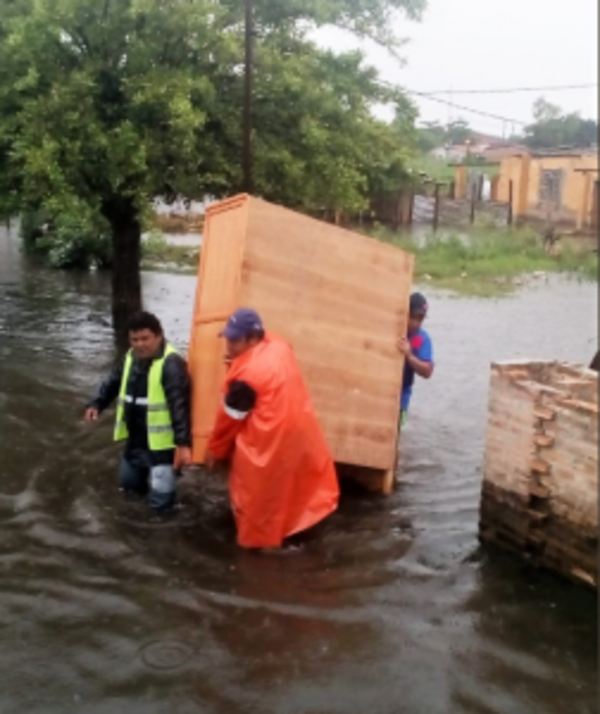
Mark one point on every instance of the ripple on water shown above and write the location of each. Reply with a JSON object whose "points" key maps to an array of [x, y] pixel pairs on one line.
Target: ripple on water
{"points": [[166, 654], [138, 515]]}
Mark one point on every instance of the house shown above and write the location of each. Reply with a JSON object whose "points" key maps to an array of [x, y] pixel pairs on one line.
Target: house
{"points": [[559, 185], [459, 152], [491, 149], [495, 153]]}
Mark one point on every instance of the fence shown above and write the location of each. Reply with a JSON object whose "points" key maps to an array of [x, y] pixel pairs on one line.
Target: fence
{"points": [[439, 204]]}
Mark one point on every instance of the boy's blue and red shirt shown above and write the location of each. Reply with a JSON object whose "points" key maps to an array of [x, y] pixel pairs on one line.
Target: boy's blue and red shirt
{"points": [[422, 348]]}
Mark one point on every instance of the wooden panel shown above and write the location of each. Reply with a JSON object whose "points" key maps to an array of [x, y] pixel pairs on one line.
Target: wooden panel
{"points": [[594, 210], [216, 298], [341, 299]]}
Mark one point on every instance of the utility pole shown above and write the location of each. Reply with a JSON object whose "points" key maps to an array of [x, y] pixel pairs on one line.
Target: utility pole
{"points": [[247, 128]]}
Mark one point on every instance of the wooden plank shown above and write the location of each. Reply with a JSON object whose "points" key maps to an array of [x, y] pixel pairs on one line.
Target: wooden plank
{"points": [[342, 301], [539, 491], [373, 480], [536, 516], [387, 483], [544, 441], [539, 466], [587, 407], [584, 576], [519, 374], [216, 298], [544, 413], [340, 298]]}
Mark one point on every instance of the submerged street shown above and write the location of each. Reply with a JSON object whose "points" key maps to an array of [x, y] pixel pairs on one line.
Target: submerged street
{"points": [[391, 607]]}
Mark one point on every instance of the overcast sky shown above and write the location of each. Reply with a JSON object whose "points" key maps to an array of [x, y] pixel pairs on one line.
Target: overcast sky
{"points": [[488, 44]]}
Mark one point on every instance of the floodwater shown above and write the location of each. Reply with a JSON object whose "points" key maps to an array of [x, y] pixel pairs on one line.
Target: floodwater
{"points": [[391, 608]]}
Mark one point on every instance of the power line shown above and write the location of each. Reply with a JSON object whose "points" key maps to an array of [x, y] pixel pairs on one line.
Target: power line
{"points": [[512, 90], [466, 109], [479, 112]]}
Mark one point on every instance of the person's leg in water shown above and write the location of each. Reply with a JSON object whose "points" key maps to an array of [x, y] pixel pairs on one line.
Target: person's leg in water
{"points": [[161, 496], [401, 423], [403, 419], [133, 480]]}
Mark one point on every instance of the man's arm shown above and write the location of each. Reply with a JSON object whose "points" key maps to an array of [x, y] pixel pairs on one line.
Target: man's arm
{"points": [[176, 384], [108, 391], [420, 360], [422, 368], [239, 401]]}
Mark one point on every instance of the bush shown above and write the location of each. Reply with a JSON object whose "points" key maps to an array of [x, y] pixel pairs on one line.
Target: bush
{"points": [[483, 259], [32, 228], [158, 252], [68, 241]]}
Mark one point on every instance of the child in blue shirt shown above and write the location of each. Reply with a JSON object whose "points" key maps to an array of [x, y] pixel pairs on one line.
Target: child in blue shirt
{"points": [[417, 350]]}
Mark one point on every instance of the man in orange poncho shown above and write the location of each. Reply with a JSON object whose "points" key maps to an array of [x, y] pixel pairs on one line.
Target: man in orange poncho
{"points": [[282, 478]]}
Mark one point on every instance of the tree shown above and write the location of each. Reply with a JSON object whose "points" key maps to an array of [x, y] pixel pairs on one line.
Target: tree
{"points": [[103, 104], [106, 104], [552, 128], [317, 143], [432, 135], [458, 132], [544, 111]]}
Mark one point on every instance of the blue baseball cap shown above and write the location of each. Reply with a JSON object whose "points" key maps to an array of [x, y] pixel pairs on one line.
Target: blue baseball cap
{"points": [[242, 323], [418, 305]]}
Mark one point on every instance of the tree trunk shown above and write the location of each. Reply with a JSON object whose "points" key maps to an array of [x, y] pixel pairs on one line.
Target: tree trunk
{"points": [[126, 282]]}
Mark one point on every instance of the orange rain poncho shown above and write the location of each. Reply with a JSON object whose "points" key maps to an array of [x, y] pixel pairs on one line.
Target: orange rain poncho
{"points": [[282, 478]]}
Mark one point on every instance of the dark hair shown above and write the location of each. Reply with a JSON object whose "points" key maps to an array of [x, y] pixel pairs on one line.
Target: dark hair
{"points": [[256, 334], [145, 321]]}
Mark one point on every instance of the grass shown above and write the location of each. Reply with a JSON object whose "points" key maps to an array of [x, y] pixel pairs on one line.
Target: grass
{"points": [[489, 261], [436, 169], [485, 262], [159, 255], [171, 223], [439, 170]]}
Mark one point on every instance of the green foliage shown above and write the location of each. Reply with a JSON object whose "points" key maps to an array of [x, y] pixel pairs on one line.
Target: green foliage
{"points": [[372, 19], [68, 241], [431, 135], [158, 254], [108, 104], [436, 169], [552, 128], [317, 143], [75, 242], [488, 260], [32, 229], [102, 102]]}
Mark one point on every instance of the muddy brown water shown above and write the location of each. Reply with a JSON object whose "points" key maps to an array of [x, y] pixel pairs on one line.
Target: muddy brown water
{"points": [[392, 606]]}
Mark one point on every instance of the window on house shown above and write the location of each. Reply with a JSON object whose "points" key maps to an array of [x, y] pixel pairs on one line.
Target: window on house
{"points": [[551, 187]]}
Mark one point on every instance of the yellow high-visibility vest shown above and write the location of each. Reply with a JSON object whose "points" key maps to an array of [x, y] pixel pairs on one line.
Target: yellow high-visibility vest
{"points": [[160, 428]]}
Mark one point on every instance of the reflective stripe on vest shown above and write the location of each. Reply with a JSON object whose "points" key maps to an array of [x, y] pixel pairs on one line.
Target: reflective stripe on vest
{"points": [[158, 417]]}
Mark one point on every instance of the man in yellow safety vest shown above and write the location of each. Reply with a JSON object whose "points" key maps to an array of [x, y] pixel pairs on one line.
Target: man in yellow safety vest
{"points": [[152, 387]]}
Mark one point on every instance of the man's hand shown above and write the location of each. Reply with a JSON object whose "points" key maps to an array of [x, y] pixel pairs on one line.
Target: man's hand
{"points": [[91, 415], [210, 462], [403, 346], [183, 457]]}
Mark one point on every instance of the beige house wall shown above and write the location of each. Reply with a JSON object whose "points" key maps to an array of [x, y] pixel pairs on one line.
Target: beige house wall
{"points": [[577, 191]]}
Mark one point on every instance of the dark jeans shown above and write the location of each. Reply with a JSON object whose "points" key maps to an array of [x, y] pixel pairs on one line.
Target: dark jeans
{"points": [[156, 483]]}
